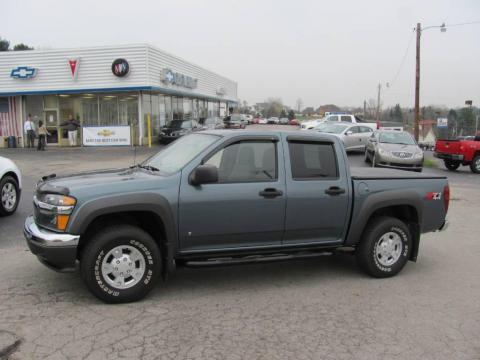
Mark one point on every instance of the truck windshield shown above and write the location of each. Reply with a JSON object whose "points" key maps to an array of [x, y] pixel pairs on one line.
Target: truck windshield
{"points": [[397, 137], [179, 153]]}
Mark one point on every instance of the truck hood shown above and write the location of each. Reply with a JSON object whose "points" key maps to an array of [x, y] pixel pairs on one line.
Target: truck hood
{"points": [[111, 177]]}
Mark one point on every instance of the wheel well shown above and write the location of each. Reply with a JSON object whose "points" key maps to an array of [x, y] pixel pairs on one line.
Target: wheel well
{"points": [[409, 215], [146, 220], [12, 174]]}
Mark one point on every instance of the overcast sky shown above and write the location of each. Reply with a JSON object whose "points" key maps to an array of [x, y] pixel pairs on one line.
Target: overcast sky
{"points": [[320, 51]]}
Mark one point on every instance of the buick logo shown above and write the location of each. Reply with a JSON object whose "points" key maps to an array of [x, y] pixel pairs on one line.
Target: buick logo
{"points": [[120, 67]]}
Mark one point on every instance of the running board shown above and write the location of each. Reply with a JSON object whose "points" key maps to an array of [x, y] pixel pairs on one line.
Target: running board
{"points": [[254, 259]]}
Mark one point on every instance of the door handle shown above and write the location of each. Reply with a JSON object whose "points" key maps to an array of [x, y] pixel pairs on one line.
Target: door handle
{"points": [[334, 190], [270, 193]]}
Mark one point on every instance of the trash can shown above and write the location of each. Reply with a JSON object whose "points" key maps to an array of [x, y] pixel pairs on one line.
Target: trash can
{"points": [[12, 142]]}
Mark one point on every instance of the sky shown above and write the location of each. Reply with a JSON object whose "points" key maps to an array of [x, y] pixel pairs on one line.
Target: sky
{"points": [[323, 52]]}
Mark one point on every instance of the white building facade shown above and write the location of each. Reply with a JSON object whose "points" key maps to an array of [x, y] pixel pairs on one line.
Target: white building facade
{"points": [[131, 90]]}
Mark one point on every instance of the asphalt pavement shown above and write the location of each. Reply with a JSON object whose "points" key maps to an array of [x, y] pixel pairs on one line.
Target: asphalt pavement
{"points": [[310, 309]]}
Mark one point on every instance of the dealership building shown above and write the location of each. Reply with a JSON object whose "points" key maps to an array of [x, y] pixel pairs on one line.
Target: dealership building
{"points": [[118, 94]]}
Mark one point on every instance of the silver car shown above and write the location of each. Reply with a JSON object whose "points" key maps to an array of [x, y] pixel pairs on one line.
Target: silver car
{"points": [[394, 149], [353, 136]]}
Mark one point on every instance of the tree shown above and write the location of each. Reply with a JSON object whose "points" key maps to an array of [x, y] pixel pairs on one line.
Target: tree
{"points": [[22, 46], [308, 111], [291, 114], [452, 123], [273, 107], [283, 113], [4, 44], [397, 114], [299, 105], [467, 120]]}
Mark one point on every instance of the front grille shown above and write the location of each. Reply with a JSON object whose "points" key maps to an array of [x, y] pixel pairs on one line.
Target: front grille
{"points": [[402, 154]]}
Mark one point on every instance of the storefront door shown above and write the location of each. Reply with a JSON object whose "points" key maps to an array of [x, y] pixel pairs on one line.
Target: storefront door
{"points": [[51, 122]]}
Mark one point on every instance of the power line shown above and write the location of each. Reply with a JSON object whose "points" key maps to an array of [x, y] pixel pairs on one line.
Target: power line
{"points": [[461, 24], [403, 60]]}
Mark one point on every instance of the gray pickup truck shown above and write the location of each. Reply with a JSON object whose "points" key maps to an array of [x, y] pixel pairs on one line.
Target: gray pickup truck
{"points": [[227, 197]]}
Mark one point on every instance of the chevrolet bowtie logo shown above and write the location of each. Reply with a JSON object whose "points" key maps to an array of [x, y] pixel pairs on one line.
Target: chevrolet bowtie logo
{"points": [[23, 72]]}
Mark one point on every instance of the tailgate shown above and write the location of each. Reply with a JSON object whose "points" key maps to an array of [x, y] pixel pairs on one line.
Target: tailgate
{"points": [[448, 146]]}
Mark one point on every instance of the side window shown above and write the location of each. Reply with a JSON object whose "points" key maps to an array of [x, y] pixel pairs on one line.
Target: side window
{"points": [[332, 118], [354, 129], [346, 118], [246, 161], [312, 160], [365, 129]]}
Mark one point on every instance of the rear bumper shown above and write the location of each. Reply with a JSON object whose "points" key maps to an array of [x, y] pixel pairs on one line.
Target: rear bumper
{"points": [[444, 226], [445, 156], [55, 250]]}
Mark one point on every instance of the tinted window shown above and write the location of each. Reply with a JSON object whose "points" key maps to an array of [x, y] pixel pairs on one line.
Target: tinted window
{"points": [[312, 160], [331, 118], [354, 129], [346, 118], [246, 161], [365, 129]]}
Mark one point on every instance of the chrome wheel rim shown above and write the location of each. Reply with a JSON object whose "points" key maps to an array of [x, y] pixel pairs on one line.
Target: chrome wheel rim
{"points": [[388, 249], [373, 160], [9, 196], [123, 267], [477, 164]]}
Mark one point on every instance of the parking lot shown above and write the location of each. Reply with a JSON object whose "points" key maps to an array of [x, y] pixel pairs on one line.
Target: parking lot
{"points": [[316, 309]]}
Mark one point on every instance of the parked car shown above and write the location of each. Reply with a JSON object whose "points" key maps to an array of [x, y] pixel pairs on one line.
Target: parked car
{"points": [[235, 121], [273, 120], [394, 149], [353, 136], [459, 152], [283, 121], [177, 128], [212, 123], [248, 119], [310, 124], [127, 227], [10, 186], [294, 122], [262, 121]]}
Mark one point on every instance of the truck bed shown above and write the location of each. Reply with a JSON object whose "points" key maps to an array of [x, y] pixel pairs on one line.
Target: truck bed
{"points": [[362, 173]]}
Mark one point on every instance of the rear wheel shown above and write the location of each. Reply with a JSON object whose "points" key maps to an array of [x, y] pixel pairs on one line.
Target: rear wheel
{"points": [[366, 157], [475, 164], [384, 248], [451, 164], [9, 196], [120, 264]]}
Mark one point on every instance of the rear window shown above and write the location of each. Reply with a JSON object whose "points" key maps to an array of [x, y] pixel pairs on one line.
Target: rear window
{"points": [[313, 160]]}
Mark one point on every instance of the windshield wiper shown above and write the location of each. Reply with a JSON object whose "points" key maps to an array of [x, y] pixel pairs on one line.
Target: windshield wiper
{"points": [[146, 167]]}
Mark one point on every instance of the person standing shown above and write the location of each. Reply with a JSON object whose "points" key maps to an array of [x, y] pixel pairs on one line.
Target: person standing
{"points": [[71, 125], [42, 136], [29, 129]]}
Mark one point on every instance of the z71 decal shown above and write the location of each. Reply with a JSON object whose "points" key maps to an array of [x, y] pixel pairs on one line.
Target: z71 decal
{"points": [[433, 196]]}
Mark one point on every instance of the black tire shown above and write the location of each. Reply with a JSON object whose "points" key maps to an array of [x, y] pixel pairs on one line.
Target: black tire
{"points": [[367, 157], [98, 248], [373, 160], [475, 165], [451, 165], [377, 232], [8, 183]]}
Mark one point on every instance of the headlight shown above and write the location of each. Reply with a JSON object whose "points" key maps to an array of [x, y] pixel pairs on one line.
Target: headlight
{"points": [[59, 206], [418, 155], [383, 152]]}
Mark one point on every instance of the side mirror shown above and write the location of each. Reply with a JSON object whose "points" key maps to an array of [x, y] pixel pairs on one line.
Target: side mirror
{"points": [[349, 132], [204, 174]]}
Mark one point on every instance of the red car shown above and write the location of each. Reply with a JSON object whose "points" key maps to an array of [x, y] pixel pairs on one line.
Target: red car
{"points": [[459, 152], [294, 122]]}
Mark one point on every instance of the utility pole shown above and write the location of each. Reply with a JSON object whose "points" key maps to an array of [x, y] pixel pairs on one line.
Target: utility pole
{"points": [[378, 103], [417, 84], [364, 109]]}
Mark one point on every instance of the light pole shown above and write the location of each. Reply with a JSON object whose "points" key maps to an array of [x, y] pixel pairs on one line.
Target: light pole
{"points": [[417, 75]]}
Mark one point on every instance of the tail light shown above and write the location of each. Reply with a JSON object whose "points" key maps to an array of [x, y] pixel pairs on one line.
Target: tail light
{"points": [[446, 197]]}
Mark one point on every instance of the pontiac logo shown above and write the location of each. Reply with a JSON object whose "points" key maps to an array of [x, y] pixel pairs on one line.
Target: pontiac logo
{"points": [[23, 72], [106, 133]]}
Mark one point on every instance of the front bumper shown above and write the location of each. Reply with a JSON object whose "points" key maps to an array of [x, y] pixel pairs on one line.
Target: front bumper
{"points": [[445, 156], [58, 251]]}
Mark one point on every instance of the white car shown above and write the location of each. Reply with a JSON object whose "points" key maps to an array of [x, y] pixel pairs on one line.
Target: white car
{"points": [[262, 121], [273, 120], [10, 186], [310, 124]]}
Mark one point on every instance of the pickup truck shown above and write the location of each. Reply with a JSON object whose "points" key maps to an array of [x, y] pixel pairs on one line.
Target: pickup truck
{"points": [[459, 152], [226, 197], [348, 118]]}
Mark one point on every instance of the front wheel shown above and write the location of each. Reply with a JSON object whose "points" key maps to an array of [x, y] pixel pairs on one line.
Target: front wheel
{"points": [[9, 196], [475, 165], [451, 165], [366, 157], [121, 264], [384, 248], [374, 160]]}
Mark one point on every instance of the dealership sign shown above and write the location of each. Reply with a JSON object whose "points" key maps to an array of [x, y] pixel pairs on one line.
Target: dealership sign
{"points": [[73, 65], [23, 72], [120, 67], [442, 122], [175, 78], [106, 135]]}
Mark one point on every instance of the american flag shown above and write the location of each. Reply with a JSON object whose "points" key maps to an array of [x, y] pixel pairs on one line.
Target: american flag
{"points": [[8, 117]]}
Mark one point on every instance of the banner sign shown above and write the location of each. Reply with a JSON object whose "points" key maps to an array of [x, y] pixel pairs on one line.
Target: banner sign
{"points": [[442, 122], [106, 135]]}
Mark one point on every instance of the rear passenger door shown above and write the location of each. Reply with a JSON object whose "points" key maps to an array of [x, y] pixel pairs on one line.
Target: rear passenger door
{"points": [[365, 134], [318, 191]]}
